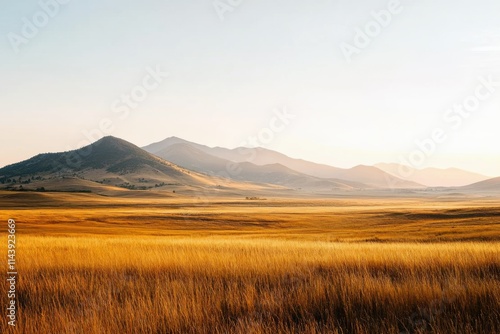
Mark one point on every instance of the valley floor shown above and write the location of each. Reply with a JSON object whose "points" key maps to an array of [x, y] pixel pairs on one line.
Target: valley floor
{"points": [[95, 264]]}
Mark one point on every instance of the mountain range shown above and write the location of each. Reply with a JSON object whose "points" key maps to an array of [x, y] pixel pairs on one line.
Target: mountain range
{"points": [[252, 161], [109, 161], [175, 164]]}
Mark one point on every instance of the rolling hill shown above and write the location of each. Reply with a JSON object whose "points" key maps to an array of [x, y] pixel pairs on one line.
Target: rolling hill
{"points": [[490, 185]]}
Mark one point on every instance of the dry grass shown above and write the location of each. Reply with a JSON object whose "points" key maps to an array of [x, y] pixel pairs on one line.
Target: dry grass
{"points": [[353, 220], [156, 285], [257, 268]]}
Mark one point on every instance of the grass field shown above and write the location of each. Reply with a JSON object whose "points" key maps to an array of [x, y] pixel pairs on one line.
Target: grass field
{"points": [[89, 264]]}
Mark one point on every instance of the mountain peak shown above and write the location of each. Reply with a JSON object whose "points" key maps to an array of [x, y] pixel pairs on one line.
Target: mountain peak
{"points": [[109, 139], [173, 140], [106, 151], [114, 142]]}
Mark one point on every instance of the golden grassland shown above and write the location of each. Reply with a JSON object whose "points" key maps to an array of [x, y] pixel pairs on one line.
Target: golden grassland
{"points": [[275, 266]]}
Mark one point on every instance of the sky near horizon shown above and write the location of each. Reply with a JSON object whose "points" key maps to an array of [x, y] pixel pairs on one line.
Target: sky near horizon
{"points": [[421, 84]]}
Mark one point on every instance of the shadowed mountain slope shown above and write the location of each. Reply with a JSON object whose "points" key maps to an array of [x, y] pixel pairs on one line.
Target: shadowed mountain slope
{"points": [[363, 176], [191, 157], [110, 161]]}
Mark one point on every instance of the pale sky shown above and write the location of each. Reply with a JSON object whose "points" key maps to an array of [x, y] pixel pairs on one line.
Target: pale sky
{"points": [[227, 76]]}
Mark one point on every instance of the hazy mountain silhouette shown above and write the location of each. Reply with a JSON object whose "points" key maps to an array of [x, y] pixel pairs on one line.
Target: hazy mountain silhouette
{"points": [[194, 157], [365, 176], [487, 185], [433, 177]]}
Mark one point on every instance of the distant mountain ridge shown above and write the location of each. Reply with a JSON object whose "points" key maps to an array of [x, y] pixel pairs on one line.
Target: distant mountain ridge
{"points": [[433, 177], [487, 185], [115, 164], [192, 157], [364, 176]]}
